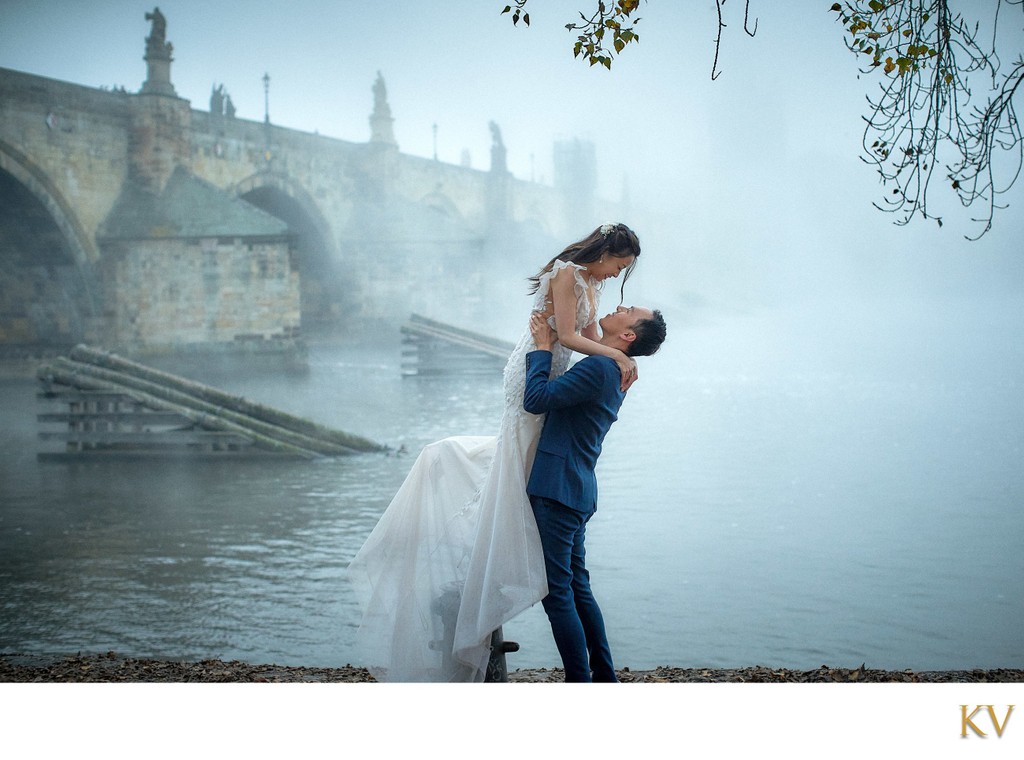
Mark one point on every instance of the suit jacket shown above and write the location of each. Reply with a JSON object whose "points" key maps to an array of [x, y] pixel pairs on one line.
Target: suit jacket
{"points": [[581, 406]]}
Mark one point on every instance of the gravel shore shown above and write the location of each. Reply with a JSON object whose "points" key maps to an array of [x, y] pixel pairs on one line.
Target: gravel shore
{"points": [[113, 668]]}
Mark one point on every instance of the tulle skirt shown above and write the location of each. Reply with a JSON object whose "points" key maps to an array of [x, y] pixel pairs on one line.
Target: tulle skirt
{"points": [[455, 555]]}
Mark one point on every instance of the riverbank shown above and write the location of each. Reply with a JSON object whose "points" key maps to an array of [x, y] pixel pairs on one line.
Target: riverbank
{"points": [[113, 668]]}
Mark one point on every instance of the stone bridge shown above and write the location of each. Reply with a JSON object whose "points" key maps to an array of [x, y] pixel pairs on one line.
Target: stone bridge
{"points": [[132, 221]]}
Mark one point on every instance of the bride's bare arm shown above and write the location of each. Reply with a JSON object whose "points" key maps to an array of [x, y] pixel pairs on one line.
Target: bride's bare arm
{"points": [[563, 297]]}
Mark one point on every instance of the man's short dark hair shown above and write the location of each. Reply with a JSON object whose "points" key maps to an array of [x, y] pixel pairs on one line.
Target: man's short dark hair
{"points": [[650, 334]]}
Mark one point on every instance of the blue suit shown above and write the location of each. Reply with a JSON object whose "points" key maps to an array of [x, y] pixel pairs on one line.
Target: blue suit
{"points": [[581, 406]]}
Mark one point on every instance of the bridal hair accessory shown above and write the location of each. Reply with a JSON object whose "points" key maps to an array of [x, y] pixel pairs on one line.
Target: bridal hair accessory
{"points": [[607, 228]]}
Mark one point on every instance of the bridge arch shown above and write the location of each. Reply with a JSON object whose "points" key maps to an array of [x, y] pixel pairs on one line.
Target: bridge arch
{"points": [[80, 246], [47, 278], [316, 253], [440, 202]]}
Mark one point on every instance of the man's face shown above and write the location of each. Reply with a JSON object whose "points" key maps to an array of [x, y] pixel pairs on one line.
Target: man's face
{"points": [[623, 318]]}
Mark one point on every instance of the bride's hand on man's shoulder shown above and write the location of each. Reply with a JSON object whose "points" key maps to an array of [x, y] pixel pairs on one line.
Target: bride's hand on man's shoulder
{"points": [[629, 370]]}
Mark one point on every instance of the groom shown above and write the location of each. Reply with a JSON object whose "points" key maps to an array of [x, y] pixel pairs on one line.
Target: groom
{"points": [[581, 406]]}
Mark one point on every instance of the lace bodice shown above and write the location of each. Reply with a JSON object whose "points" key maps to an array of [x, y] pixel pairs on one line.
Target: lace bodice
{"points": [[586, 313]]}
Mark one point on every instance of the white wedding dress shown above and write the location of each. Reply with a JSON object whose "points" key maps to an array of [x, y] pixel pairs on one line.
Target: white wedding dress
{"points": [[457, 553]]}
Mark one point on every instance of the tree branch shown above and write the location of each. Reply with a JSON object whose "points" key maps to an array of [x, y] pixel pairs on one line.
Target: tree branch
{"points": [[718, 41], [921, 116]]}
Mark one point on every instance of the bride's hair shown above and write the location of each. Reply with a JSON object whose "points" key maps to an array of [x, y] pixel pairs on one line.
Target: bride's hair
{"points": [[616, 240]]}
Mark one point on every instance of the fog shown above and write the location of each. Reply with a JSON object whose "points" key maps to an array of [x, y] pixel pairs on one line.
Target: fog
{"points": [[747, 190], [754, 209]]}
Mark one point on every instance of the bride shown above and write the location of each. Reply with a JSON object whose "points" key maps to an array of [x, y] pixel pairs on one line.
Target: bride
{"points": [[457, 553]]}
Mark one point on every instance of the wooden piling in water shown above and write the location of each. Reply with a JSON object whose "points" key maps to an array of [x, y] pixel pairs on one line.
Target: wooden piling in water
{"points": [[430, 347], [207, 419]]}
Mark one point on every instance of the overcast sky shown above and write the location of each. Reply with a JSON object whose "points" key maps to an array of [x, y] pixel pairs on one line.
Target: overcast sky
{"points": [[757, 173]]}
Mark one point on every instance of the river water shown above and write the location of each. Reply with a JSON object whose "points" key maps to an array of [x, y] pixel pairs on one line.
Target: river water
{"points": [[768, 496]]}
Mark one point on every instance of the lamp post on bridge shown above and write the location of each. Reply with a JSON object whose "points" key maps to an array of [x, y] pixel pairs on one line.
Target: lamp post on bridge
{"points": [[266, 98]]}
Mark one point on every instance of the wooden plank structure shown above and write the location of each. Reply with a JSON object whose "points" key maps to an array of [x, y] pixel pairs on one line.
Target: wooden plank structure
{"points": [[106, 405], [430, 347]]}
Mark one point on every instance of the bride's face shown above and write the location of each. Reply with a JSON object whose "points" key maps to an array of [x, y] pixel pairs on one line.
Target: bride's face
{"points": [[610, 267]]}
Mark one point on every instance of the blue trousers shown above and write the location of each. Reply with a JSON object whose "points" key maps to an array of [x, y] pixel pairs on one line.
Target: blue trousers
{"points": [[576, 620]]}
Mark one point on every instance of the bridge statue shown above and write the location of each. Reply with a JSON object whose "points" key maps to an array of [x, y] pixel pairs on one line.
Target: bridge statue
{"points": [[381, 121], [158, 32], [156, 42], [217, 100], [158, 56], [380, 94], [498, 163]]}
